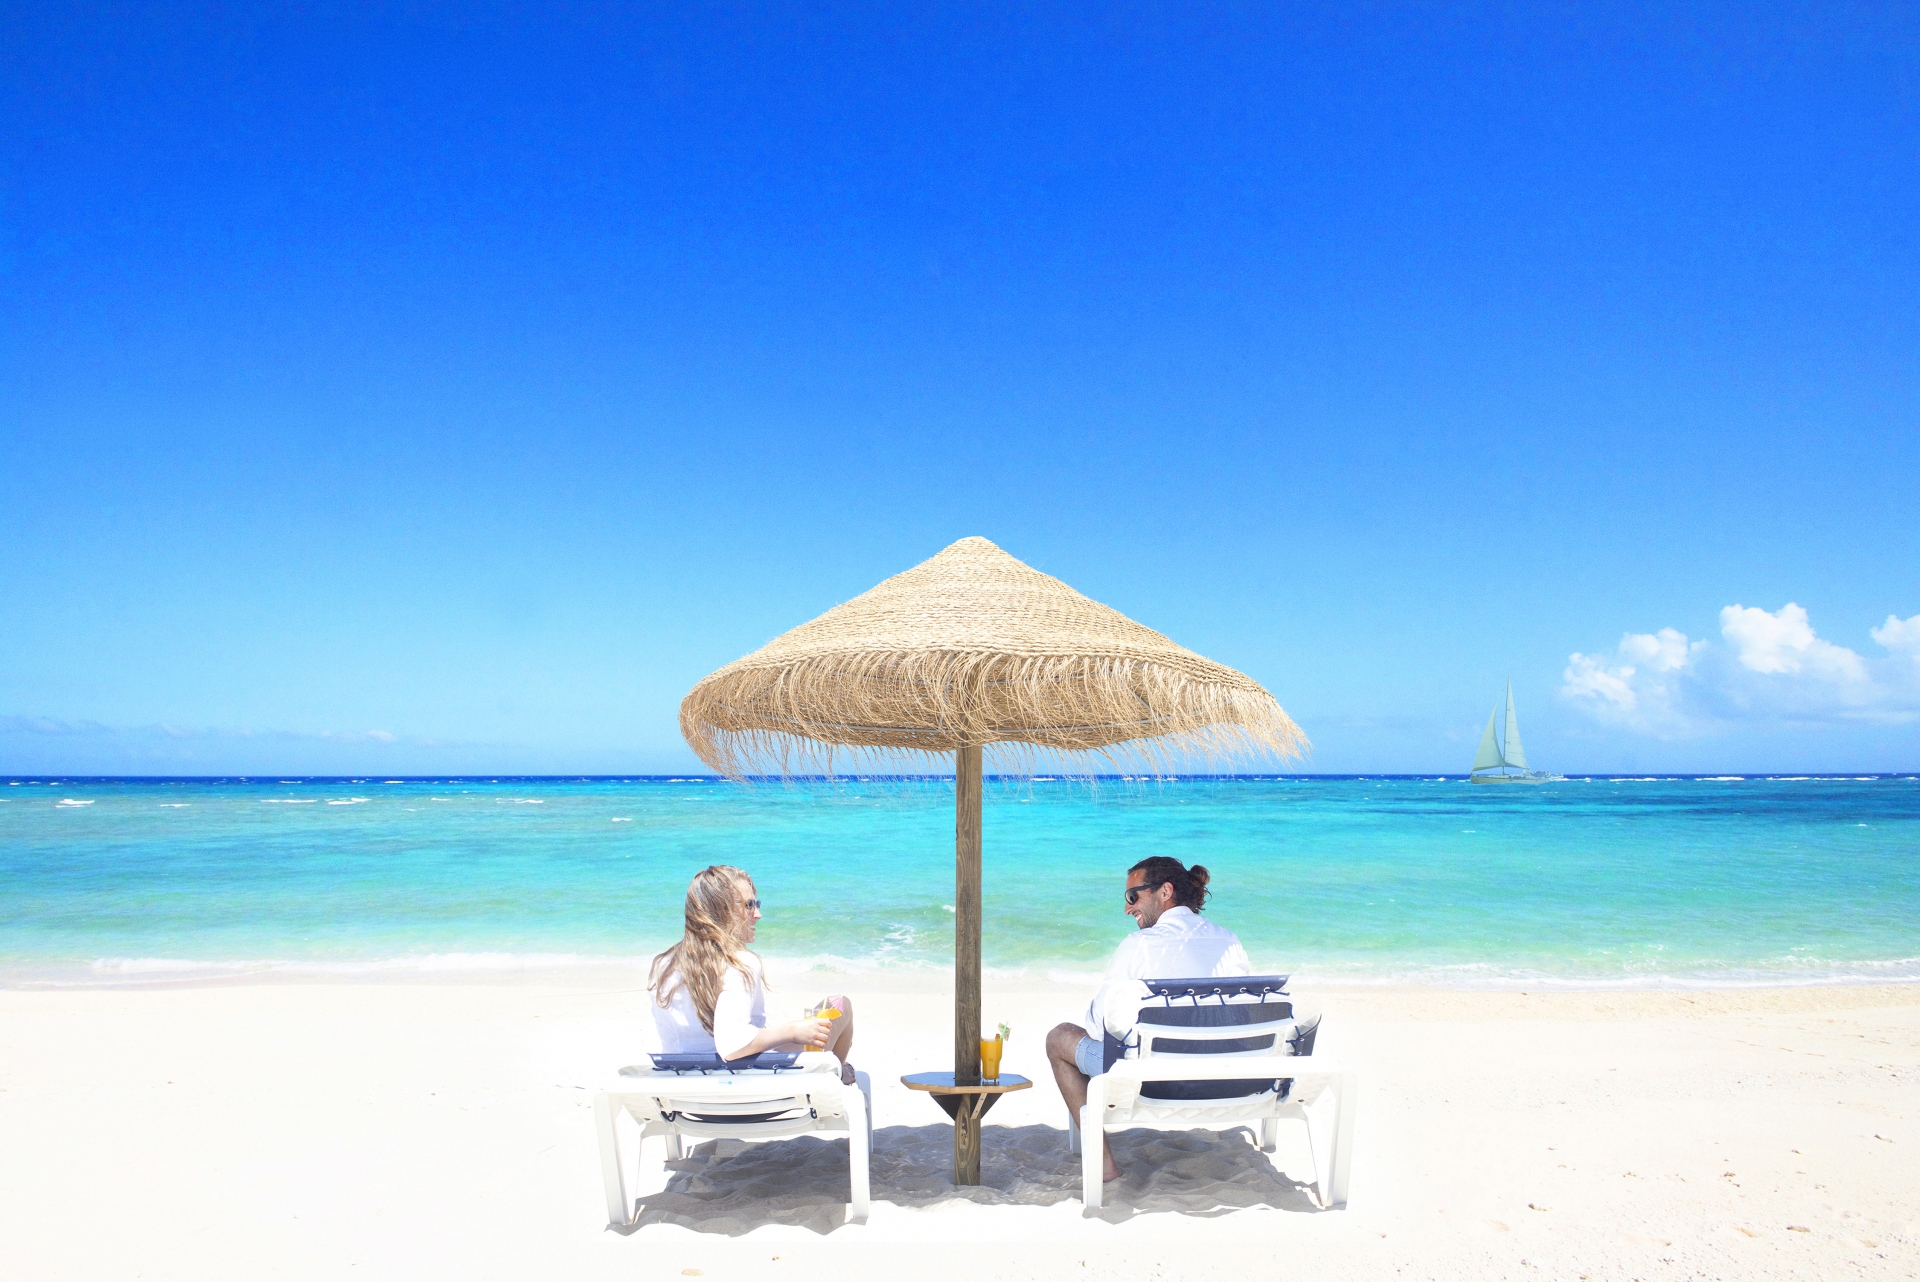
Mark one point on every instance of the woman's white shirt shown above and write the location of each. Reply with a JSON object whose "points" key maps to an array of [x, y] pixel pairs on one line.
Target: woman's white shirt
{"points": [[738, 1014]]}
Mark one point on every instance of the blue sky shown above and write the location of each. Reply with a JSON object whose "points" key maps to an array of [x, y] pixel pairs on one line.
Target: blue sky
{"points": [[430, 389]]}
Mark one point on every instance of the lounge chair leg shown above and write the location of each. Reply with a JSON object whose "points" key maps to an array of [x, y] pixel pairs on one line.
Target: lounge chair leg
{"points": [[1326, 1117], [1270, 1135], [674, 1152], [619, 1214], [1340, 1160], [1073, 1133], [1318, 1153], [1092, 1141], [859, 1150], [865, 1085]]}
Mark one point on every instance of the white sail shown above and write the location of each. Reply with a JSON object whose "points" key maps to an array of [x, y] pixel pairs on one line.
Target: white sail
{"points": [[1489, 754], [1516, 756]]}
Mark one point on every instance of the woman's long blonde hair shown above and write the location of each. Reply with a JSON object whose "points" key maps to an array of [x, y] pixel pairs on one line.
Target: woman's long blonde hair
{"points": [[700, 960]]}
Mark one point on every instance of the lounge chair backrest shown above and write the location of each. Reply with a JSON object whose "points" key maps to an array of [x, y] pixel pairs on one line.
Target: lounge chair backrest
{"points": [[1244, 1015], [684, 1062]]}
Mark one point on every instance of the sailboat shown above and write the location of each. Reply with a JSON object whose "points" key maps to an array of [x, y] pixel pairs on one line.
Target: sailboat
{"points": [[1504, 753]]}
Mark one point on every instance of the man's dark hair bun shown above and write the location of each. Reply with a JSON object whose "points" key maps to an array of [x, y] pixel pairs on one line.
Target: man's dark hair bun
{"points": [[1189, 884]]}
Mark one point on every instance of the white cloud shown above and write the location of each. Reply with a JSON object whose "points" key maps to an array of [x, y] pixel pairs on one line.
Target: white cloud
{"points": [[1662, 651], [1771, 666], [1784, 642], [1588, 677], [1641, 687], [1901, 636]]}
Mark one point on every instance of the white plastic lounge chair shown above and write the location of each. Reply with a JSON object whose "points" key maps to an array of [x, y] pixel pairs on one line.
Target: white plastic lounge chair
{"points": [[701, 1097], [1232, 1064]]}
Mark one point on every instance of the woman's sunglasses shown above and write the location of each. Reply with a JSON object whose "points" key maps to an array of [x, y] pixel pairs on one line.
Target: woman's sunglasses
{"points": [[1134, 892]]}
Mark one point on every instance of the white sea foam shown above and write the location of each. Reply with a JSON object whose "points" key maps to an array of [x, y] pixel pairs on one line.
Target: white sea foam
{"points": [[789, 968], [1786, 972], [620, 821], [428, 963], [1076, 978], [163, 965], [289, 801], [350, 801], [1725, 779], [72, 801]]}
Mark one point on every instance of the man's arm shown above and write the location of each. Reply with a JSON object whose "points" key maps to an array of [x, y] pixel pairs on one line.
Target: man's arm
{"points": [[1118, 993]]}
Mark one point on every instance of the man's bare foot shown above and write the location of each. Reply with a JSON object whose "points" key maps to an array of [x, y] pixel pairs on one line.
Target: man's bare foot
{"points": [[1111, 1174]]}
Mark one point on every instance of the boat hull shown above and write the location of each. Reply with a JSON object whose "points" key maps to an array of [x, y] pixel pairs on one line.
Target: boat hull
{"points": [[1528, 778]]}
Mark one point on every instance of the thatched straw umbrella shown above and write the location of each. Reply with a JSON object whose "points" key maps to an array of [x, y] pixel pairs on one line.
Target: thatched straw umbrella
{"points": [[970, 649]]}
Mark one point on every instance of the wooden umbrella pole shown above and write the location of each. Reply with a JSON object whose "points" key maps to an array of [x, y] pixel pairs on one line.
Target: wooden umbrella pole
{"points": [[966, 961], [966, 916]]}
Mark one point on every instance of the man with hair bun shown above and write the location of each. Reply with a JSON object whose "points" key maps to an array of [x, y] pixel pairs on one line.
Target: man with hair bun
{"points": [[1165, 898]]}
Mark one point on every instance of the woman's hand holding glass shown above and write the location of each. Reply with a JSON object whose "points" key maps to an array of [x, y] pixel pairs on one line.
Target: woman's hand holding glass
{"points": [[812, 1032]]}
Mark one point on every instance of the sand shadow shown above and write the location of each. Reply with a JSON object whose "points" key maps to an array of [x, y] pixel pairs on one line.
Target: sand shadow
{"points": [[729, 1187]]}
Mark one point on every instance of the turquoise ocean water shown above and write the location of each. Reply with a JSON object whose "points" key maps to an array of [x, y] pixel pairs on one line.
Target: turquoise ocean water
{"points": [[1592, 882]]}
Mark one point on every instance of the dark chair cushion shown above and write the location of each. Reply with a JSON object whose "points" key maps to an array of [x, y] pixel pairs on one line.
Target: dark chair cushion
{"points": [[692, 1062], [744, 1119], [1214, 1014]]}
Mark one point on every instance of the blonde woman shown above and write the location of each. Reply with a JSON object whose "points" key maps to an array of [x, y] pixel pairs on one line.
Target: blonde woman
{"points": [[709, 992]]}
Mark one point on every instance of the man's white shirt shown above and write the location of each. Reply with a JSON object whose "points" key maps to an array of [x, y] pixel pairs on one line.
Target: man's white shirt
{"points": [[1181, 945]]}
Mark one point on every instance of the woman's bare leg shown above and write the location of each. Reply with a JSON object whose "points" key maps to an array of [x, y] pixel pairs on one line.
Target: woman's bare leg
{"points": [[840, 1041]]}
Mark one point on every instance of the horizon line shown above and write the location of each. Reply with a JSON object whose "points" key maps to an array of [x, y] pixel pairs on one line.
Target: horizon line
{"points": [[1060, 776]]}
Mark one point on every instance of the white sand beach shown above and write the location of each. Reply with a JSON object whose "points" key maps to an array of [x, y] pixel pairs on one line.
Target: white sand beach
{"points": [[409, 1130]]}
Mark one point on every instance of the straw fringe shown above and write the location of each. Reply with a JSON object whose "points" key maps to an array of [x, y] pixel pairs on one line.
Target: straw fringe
{"points": [[974, 647]]}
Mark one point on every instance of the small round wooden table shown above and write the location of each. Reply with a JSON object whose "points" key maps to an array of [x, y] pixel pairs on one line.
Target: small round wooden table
{"points": [[966, 1105]]}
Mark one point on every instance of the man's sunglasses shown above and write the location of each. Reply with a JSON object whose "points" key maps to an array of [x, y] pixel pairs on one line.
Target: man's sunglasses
{"points": [[1134, 892]]}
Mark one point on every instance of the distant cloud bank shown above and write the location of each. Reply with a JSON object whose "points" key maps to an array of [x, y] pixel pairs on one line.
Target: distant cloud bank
{"points": [[1768, 667], [55, 726], [35, 745]]}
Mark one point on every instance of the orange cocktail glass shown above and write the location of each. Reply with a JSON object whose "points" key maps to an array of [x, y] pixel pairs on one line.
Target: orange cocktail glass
{"points": [[828, 1012], [990, 1059]]}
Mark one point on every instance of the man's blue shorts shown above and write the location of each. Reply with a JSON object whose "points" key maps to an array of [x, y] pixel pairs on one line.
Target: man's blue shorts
{"points": [[1088, 1057]]}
